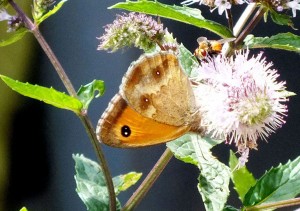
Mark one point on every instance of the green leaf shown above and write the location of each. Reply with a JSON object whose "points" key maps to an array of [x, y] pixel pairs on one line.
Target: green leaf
{"points": [[179, 13], [48, 95], [123, 182], [23, 209], [91, 185], [242, 179], [281, 19], [86, 93], [183, 148], [3, 3], [187, 60], [214, 176], [50, 12], [230, 208], [285, 41], [280, 183], [14, 37]]}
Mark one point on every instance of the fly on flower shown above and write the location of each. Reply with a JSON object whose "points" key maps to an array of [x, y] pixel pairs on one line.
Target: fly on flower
{"points": [[210, 47]]}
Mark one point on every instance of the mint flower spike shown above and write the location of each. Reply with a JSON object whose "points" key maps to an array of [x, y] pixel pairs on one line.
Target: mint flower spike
{"points": [[281, 5], [13, 22], [4, 15], [240, 99], [130, 29]]}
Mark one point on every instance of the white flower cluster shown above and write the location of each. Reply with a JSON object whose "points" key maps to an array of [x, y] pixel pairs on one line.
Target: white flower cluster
{"points": [[239, 98], [294, 5], [224, 5]]}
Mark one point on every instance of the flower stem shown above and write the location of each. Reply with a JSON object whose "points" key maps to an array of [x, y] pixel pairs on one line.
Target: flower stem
{"points": [[148, 181], [243, 19], [227, 49], [275, 205], [56, 64], [100, 155], [255, 20], [68, 85]]}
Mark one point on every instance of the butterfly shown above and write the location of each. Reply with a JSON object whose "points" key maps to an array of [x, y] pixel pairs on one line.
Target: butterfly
{"points": [[155, 104]]}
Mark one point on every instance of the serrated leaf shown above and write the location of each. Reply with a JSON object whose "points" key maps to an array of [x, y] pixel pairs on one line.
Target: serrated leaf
{"points": [[179, 13], [214, 175], [14, 37], [281, 19], [91, 185], [55, 9], [187, 60], [47, 95], [242, 179], [280, 183], [23, 209], [183, 148], [284, 41], [86, 93]]}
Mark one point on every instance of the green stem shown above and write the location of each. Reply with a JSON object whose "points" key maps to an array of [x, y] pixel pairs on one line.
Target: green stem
{"points": [[275, 205], [148, 181], [67, 83]]}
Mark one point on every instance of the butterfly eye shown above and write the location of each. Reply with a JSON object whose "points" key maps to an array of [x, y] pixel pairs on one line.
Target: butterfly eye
{"points": [[125, 131]]}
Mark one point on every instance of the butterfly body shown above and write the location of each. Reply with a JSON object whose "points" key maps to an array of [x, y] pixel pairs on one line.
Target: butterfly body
{"points": [[155, 104]]}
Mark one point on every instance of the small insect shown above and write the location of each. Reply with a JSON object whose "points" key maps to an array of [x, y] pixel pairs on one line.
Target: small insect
{"points": [[210, 47]]}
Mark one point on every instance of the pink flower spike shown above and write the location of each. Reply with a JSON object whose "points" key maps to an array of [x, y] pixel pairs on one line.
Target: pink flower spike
{"points": [[240, 99]]}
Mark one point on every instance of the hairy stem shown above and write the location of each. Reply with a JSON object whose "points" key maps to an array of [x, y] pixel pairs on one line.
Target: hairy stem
{"points": [[275, 205], [148, 181], [68, 85]]}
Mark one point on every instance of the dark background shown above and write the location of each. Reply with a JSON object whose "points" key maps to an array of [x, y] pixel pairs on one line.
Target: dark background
{"points": [[43, 138]]}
